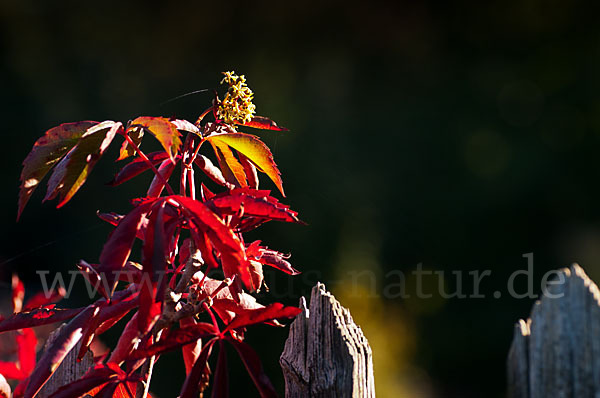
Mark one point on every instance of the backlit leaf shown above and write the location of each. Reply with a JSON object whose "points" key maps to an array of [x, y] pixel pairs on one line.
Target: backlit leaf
{"points": [[176, 339], [233, 257], [37, 317], [117, 249], [255, 150], [72, 171], [263, 123], [138, 166], [46, 152], [261, 315], [164, 131], [232, 170], [127, 150]]}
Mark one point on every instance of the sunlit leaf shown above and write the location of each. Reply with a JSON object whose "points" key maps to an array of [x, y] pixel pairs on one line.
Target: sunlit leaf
{"points": [[232, 170], [26, 345], [37, 317], [138, 166], [164, 131], [211, 171], [233, 256], [46, 152], [255, 150], [72, 171], [263, 123], [127, 150], [261, 315], [176, 339], [158, 184]]}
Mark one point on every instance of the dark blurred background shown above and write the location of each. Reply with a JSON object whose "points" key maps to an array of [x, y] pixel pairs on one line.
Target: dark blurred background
{"points": [[459, 136]]}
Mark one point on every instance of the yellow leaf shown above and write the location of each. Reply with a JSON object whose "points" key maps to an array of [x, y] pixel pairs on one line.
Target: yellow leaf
{"points": [[164, 131], [232, 170], [255, 150]]}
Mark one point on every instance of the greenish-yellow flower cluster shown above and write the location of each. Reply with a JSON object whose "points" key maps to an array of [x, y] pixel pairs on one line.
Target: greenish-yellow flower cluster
{"points": [[237, 106]]}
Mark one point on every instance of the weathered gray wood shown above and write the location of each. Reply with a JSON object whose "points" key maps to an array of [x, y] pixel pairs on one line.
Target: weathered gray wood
{"points": [[326, 354], [556, 353], [69, 370]]}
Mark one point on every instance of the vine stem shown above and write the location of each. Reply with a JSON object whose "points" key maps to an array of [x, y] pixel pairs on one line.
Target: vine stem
{"points": [[149, 163]]}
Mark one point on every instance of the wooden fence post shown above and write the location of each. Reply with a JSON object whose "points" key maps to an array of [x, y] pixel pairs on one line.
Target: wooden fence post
{"points": [[69, 370], [326, 354], [556, 353]]}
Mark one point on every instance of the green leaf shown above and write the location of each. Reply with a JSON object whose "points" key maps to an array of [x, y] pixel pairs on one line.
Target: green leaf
{"points": [[46, 152], [72, 171], [164, 131], [255, 150]]}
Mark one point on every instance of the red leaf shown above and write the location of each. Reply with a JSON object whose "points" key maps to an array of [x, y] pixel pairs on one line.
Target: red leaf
{"points": [[221, 380], [150, 308], [176, 339], [108, 391], [89, 332], [250, 171], [211, 170], [117, 249], [37, 317], [277, 261], [264, 207], [184, 125], [263, 123], [224, 304], [137, 167], [44, 155], [233, 256], [118, 307], [270, 257], [256, 272], [191, 387], [125, 344], [190, 352], [10, 370], [72, 171], [26, 345], [164, 131], [66, 339], [206, 249], [262, 315], [165, 170], [255, 369], [41, 299], [155, 265]]}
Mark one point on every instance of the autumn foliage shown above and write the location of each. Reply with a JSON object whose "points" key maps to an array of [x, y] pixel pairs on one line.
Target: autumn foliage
{"points": [[190, 288]]}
